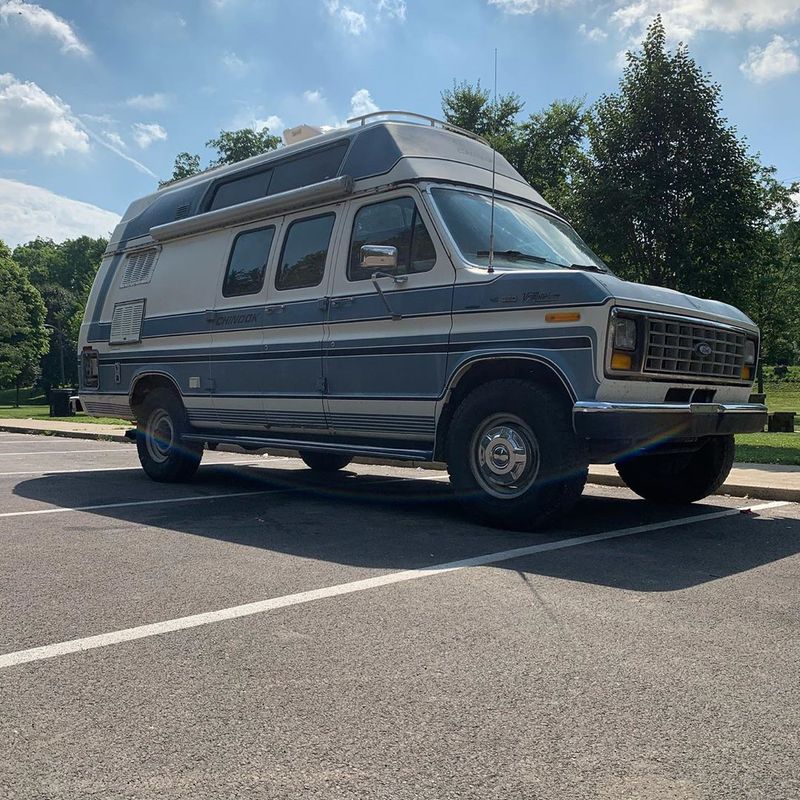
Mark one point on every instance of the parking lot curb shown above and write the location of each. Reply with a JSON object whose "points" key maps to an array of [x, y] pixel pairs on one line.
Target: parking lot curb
{"points": [[733, 488], [98, 437]]}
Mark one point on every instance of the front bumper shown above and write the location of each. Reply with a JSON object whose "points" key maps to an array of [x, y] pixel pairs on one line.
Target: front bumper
{"points": [[640, 422]]}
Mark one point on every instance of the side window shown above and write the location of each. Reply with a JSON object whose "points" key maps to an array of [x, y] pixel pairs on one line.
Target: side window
{"points": [[305, 249], [240, 190], [248, 262], [396, 223]]}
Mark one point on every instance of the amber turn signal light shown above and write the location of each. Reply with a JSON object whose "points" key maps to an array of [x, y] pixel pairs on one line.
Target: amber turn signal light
{"points": [[746, 372], [621, 361], [562, 316]]}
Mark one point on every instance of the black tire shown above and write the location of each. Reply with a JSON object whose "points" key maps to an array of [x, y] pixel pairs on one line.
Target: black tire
{"points": [[163, 454], [680, 478], [325, 462], [525, 424]]}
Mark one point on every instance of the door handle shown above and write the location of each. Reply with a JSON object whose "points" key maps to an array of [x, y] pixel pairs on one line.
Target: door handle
{"points": [[279, 309], [337, 302]]}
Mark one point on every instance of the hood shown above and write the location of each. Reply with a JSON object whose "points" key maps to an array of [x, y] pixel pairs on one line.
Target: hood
{"points": [[641, 295]]}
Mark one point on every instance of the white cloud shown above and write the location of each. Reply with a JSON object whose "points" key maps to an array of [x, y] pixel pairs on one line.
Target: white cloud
{"points": [[29, 211], [42, 21], [313, 96], [273, 123], [683, 18], [593, 34], [396, 9], [114, 138], [32, 120], [235, 65], [354, 22], [777, 59], [362, 103], [145, 133], [148, 102], [527, 6]]}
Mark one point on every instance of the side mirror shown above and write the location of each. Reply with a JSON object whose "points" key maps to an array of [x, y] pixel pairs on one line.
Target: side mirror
{"points": [[377, 256]]}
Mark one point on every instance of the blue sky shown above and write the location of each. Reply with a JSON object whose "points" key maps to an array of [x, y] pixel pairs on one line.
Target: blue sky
{"points": [[97, 96]]}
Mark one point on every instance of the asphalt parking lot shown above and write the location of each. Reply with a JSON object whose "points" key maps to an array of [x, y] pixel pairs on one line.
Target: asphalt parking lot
{"points": [[264, 632]]}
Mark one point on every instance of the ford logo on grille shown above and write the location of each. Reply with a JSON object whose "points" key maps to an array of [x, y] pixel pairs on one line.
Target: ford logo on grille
{"points": [[704, 349]]}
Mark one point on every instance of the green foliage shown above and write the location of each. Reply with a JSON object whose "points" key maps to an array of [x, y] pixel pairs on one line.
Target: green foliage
{"points": [[234, 146], [63, 275], [186, 165], [231, 147], [23, 337], [669, 194]]}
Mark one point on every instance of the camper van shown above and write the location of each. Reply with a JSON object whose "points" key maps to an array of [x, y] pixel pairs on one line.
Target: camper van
{"points": [[395, 289]]}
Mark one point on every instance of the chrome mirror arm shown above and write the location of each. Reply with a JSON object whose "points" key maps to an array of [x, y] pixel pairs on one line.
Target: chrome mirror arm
{"points": [[399, 280]]}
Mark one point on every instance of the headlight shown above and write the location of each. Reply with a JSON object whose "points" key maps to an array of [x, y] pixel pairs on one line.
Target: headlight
{"points": [[749, 352], [625, 334]]}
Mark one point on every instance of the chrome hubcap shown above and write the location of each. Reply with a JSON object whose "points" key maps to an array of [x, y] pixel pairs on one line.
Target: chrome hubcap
{"points": [[160, 435], [505, 455]]}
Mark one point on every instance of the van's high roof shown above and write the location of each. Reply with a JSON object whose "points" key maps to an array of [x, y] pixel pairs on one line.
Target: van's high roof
{"points": [[373, 153]]}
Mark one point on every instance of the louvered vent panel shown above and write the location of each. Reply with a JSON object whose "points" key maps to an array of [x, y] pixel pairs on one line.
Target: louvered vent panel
{"points": [[181, 212], [139, 268], [126, 324]]}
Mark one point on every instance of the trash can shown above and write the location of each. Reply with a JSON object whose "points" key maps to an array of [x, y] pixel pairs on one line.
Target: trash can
{"points": [[59, 403]]}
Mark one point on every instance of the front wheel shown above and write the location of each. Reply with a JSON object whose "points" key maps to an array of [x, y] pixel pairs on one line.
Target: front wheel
{"points": [[680, 478], [163, 454], [325, 462], [513, 456]]}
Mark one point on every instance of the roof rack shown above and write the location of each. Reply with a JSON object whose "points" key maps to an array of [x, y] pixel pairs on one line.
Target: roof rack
{"points": [[432, 121]]}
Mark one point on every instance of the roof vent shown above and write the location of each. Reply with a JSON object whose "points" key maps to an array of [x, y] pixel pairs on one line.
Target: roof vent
{"points": [[139, 268], [301, 133]]}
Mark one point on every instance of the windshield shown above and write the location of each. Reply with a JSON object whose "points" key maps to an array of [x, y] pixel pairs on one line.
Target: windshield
{"points": [[523, 238]]}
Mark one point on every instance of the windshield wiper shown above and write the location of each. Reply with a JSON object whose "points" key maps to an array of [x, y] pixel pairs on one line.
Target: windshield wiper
{"points": [[586, 267], [515, 255]]}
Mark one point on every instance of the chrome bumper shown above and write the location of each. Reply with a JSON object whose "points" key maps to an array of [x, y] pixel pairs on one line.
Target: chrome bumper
{"points": [[644, 421]]}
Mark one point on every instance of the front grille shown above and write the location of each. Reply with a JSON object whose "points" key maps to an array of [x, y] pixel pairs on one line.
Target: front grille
{"points": [[680, 347]]}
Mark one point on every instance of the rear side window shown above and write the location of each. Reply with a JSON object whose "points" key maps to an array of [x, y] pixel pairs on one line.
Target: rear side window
{"points": [[305, 250], [316, 166], [248, 262], [396, 223], [240, 190]]}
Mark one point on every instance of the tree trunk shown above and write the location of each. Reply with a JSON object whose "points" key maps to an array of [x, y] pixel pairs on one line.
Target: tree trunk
{"points": [[16, 400]]}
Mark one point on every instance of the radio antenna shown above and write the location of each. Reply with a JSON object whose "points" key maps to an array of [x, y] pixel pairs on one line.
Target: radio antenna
{"points": [[494, 173]]}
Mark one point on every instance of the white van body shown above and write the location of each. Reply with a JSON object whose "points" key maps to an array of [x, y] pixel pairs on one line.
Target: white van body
{"points": [[247, 293]]}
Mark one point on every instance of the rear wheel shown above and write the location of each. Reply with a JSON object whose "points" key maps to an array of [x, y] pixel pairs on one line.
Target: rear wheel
{"points": [[325, 462], [163, 454], [680, 478], [513, 456]]}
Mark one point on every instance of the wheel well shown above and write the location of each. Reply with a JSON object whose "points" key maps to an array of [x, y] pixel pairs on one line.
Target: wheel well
{"points": [[147, 384], [484, 371]]}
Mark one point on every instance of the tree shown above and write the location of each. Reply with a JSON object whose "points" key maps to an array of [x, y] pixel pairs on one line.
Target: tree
{"points": [[231, 147], [544, 149], [471, 107], [668, 193], [234, 146], [23, 337], [548, 150], [63, 275]]}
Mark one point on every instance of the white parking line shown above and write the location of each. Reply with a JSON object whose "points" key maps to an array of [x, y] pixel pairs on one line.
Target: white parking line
{"points": [[59, 452], [136, 467], [262, 606]]}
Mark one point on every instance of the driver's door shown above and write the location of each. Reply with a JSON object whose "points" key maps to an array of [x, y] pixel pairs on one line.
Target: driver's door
{"points": [[385, 352]]}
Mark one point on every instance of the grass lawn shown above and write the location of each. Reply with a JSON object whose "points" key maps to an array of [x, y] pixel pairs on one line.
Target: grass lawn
{"points": [[768, 448], [43, 412]]}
